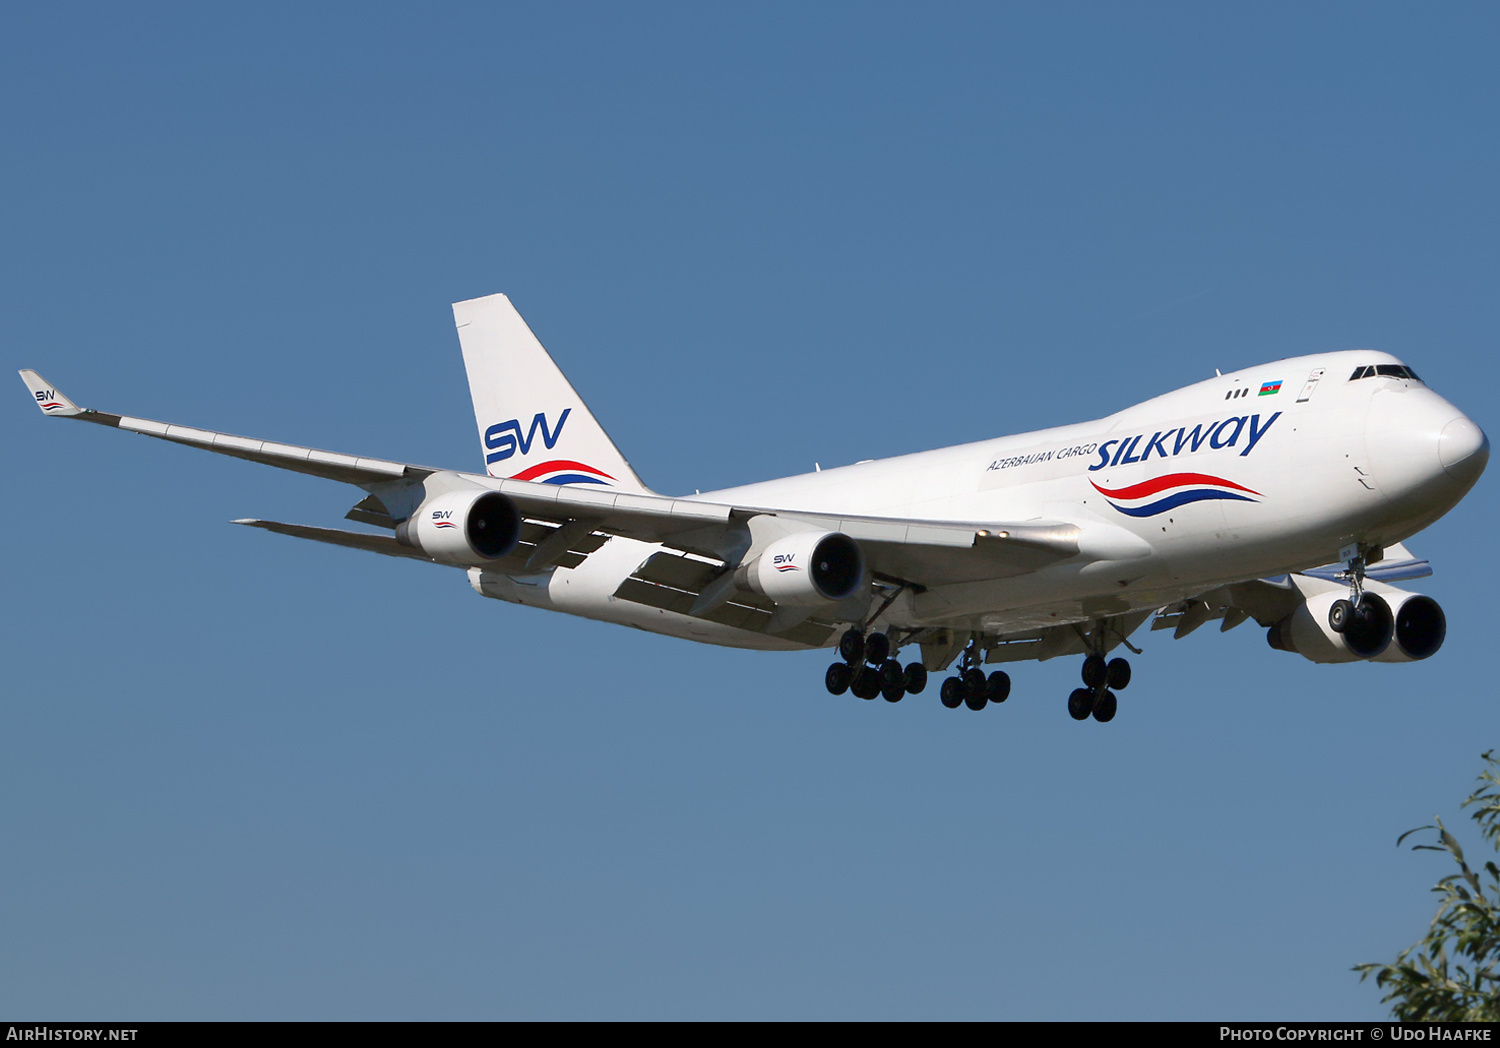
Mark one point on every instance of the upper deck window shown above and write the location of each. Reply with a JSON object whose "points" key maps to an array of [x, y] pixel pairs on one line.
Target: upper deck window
{"points": [[1384, 371]]}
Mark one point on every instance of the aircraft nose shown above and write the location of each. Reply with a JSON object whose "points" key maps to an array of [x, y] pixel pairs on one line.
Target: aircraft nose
{"points": [[1464, 450]]}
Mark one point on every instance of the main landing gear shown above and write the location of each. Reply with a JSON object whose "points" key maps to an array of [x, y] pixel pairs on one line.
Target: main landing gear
{"points": [[970, 687], [869, 670], [1100, 682]]}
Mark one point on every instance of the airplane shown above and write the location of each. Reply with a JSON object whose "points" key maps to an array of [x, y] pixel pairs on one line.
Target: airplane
{"points": [[1280, 493]]}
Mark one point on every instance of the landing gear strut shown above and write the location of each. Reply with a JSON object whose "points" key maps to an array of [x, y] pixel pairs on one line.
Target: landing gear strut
{"points": [[1341, 613]]}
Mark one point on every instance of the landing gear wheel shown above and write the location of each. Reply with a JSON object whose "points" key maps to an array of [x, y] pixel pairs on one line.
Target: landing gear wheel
{"points": [[976, 698], [975, 684], [999, 686], [837, 679], [952, 693], [852, 647], [1340, 612], [916, 678], [891, 675], [1095, 672], [866, 683], [1104, 709], [1080, 704], [892, 680], [877, 648], [1118, 677]]}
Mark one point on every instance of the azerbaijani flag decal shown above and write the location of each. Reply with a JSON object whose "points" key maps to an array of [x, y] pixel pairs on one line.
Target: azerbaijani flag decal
{"points": [[1268, 388], [1151, 497], [564, 471]]}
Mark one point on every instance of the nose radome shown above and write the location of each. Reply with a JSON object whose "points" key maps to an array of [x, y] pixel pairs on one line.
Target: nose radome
{"points": [[1463, 449]]}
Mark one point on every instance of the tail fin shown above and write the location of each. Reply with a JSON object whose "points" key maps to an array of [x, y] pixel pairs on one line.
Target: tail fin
{"points": [[532, 425]]}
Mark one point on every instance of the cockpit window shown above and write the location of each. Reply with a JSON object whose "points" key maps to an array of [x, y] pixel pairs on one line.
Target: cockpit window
{"points": [[1384, 371]]}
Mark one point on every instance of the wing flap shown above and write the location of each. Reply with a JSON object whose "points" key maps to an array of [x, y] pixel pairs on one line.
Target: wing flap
{"points": [[737, 613]]}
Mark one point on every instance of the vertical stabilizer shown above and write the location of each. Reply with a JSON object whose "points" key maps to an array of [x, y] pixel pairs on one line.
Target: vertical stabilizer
{"points": [[532, 424]]}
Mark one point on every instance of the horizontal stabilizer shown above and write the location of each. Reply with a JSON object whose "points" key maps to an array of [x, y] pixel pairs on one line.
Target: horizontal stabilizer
{"points": [[333, 536]]}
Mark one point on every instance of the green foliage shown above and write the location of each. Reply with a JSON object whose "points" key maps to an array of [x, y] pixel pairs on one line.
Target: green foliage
{"points": [[1450, 974]]}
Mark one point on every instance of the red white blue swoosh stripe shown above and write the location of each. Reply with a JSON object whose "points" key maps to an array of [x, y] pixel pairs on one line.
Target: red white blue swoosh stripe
{"points": [[563, 471], [1151, 497]]}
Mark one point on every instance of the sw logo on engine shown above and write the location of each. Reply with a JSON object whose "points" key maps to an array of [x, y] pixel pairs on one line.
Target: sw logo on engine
{"points": [[504, 438], [783, 562]]}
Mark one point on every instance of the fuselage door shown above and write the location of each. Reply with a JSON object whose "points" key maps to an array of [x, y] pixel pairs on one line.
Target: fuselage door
{"points": [[1312, 384]]}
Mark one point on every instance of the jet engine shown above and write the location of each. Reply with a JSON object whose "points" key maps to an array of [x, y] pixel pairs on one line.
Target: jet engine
{"points": [[1390, 625], [1420, 628], [471, 527], [806, 569]]}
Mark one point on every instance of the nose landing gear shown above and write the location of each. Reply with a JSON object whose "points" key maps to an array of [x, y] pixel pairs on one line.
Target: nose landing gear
{"points": [[1364, 620], [1342, 613]]}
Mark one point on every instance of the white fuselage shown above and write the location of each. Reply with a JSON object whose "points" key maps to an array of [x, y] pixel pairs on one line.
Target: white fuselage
{"points": [[1214, 483]]}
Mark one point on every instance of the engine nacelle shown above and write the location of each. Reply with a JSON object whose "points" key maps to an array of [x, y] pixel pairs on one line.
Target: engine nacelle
{"points": [[1391, 625], [806, 570], [463, 527], [1420, 629], [1306, 630]]}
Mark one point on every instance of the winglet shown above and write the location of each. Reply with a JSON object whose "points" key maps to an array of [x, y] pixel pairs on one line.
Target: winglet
{"points": [[48, 398]]}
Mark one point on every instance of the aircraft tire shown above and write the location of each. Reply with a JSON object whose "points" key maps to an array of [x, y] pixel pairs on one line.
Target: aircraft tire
{"points": [[837, 679], [976, 685], [976, 699], [999, 686], [852, 647], [893, 692], [866, 683], [916, 678], [1095, 671], [1104, 709], [1080, 704], [1339, 614], [891, 675], [1118, 677], [877, 647], [952, 693]]}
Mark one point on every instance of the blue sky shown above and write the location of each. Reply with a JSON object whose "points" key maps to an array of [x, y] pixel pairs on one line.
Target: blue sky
{"points": [[246, 777]]}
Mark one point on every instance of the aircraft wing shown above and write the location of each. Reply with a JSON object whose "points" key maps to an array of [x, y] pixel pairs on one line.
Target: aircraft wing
{"points": [[1268, 601], [349, 469], [566, 523]]}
